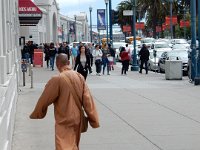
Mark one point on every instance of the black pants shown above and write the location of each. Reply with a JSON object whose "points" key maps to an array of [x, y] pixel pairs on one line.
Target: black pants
{"points": [[83, 72], [142, 64], [98, 65], [125, 65]]}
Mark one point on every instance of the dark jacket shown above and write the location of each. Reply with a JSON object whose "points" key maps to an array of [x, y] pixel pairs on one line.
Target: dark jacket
{"points": [[79, 65], [52, 52], [64, 50], [144, 54]]}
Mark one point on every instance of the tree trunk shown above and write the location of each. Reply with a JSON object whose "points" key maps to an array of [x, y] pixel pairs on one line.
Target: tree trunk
{"points": [[154, 23]]}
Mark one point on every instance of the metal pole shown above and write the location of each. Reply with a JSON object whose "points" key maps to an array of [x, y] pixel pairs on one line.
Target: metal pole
{"points": [[184, 23], [171, 26], [24, 80], [107, 22], [111, 24], [134, 56], [193, 43], [75, 28], [62, 34], [197, 78], [90, 24], [31, 76]]}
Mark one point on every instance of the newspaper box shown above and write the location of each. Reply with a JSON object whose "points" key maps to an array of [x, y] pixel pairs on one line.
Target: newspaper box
{"points": [[38, 57]]}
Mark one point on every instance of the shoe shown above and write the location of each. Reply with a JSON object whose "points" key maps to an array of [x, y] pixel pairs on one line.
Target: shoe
{"points": [[108, 73], [140, 72], [90, 72]]}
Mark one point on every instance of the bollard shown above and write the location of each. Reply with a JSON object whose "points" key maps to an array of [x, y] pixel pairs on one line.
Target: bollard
{"points": [[29, 69], [31, 72]]}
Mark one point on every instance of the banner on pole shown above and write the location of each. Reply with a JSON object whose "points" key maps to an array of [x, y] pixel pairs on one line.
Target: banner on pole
{"points": [[101, 19]]}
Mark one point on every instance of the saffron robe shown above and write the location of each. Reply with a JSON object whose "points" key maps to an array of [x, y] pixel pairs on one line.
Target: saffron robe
{"points": [[67, 114]]}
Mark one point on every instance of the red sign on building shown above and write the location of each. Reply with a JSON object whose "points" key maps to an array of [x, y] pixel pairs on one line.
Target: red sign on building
{"points": [[29, 13], [127, 28], [168, 18], [139, 26], [184, 24]]}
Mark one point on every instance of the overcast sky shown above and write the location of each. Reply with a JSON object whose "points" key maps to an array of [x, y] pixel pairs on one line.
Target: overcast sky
{"points": [[72, 7]]}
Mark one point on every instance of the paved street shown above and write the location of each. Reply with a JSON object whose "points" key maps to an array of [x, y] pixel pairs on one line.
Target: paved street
{"points": [[137, 112]]}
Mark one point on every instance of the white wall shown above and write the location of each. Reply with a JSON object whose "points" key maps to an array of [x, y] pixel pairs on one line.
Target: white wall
{"points": [[9, 72]]}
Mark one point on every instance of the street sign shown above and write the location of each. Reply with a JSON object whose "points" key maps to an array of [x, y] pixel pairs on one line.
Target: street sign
{"points": [[127, 13]]}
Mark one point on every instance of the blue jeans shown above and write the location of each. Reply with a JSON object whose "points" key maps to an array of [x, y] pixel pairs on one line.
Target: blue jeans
{"points": [[105, 63], [52, 59]]}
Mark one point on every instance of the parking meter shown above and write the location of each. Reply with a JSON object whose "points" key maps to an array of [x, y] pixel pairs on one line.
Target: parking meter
{"points": [[24, 69], [154, 53]]}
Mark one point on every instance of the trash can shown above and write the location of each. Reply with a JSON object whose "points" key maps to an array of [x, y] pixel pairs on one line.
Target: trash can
{"points": [[173, 70], [38, 57]]}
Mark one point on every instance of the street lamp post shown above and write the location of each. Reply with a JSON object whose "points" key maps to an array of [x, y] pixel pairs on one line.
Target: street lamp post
{"points": [[134, 66], [75, 28], [110, 19], [106, 2], [90, 9]]}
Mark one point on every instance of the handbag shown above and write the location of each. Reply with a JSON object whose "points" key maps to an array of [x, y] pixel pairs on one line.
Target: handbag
{"points": [[84, 119]]}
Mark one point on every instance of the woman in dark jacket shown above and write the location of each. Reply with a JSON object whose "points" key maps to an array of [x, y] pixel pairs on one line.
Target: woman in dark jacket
{"points": [[83, 62]]}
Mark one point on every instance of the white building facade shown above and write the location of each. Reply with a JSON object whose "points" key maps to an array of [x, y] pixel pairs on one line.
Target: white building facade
{"points": [[9, 72]]}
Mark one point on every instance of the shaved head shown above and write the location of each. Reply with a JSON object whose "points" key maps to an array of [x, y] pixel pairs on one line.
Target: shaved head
{"points": [[62, 59]]}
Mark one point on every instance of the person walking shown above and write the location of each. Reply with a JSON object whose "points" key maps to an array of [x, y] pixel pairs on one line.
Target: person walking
{"points": [[144, 57], [69, 93], [26, 52], [52, 54], [46, 52], [97, 54], [74, 51], [125, 58], [64, 48], [83, 62], [105, 61], [111, 58]]}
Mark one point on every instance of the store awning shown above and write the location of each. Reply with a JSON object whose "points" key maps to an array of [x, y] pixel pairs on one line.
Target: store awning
{"points": [[29, 13]]}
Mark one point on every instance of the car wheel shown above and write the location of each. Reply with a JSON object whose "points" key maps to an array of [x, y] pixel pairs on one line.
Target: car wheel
{"points": [[159, 70]]}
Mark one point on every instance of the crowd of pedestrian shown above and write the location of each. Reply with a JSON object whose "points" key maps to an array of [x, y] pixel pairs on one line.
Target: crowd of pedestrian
{"points": [[83, 56]]}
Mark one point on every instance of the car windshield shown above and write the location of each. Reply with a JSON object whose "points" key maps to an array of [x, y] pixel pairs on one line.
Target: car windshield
{"points": [[181, 42], [162, 45], [182, 54], [179, 47], [147, 41]]}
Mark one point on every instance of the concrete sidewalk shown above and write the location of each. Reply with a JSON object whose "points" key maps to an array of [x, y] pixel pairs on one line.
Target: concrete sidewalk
{"points": [[137, 112]]}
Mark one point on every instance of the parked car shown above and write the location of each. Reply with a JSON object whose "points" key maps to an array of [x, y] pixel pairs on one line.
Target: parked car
{"points": [[181, 42], [116, 47], [174, 55], [180, 47], [147, 41], [161, 46], [153, 61]]}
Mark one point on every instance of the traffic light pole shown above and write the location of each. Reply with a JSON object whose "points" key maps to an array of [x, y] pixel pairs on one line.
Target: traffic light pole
{"points": [[111, 24], [197, 77], [193, 43], [134, 66]]}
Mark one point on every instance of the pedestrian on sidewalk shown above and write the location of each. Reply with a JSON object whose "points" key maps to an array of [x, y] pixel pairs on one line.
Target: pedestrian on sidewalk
{"points": [[67, 105], [52, 55], [125, 58], [144, 57], [83, 62], [97, 54], [105, 61], [46, 52]]}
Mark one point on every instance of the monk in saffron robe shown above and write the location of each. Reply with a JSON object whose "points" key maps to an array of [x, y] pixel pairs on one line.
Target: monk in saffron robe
{"points": [[67, 114]]}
